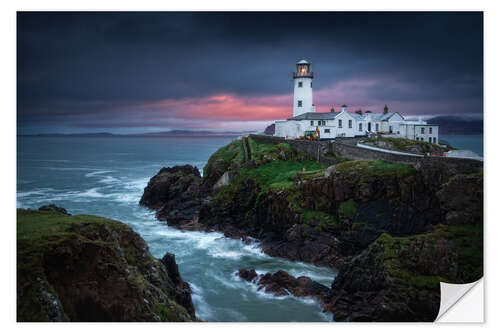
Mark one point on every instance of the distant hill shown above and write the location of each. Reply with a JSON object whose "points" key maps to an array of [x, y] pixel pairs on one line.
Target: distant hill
{"points": [[457, 125], [270, 129], [172, 133]]}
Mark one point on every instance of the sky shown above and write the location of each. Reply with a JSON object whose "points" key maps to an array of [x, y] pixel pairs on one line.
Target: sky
{"points": [[143, 72]]}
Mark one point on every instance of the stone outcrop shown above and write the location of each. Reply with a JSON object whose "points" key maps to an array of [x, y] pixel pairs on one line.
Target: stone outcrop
{"points": [[54, 208], [281, 284], [175, 193], [86, 268]]}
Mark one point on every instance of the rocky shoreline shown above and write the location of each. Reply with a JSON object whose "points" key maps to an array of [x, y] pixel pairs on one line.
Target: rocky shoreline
{"points": [[384, 226]]}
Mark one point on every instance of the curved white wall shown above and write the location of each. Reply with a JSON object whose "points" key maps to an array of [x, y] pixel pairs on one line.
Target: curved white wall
{"points": [[303, 94]]}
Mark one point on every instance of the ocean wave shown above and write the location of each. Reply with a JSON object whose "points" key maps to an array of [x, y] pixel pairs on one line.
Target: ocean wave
{"points": [[203, 309], [67, 169], [96, 173]]}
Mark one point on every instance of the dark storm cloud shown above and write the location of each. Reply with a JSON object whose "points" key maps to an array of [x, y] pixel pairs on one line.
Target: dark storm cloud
{"points": [[95, 64]]}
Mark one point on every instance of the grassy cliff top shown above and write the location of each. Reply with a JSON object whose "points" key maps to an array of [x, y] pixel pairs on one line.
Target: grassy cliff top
{"points": [[36, 229]]}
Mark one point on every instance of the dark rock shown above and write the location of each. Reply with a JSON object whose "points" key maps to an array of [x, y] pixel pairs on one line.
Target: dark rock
{"points": [[281, 284], [182, 292], [54, 208], [461, 200], [175, 193], [304, 243], [270, 129], [248, 275]]}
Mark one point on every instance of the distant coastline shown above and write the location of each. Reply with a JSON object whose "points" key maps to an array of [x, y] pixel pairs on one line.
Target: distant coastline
{"points": [[173, 133]]}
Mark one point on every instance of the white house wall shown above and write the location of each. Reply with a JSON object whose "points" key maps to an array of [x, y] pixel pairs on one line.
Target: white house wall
{"points": [[345, 129], [330, 128], [430, 133]]}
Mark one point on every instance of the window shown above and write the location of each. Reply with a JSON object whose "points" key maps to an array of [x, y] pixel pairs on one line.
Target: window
{"points": [[312, 122], [390, 129], [311, 84], [340, 123], [422, 130], [430, 140], [299, 104], [361, 127], [327, 130], [350, 123], [300, 84], [324, 122], [376, 127], [430, 130], [319, 122], [434, 140]]}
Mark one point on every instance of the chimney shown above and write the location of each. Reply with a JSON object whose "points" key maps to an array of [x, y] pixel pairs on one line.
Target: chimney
{"points": [[344, 108]]}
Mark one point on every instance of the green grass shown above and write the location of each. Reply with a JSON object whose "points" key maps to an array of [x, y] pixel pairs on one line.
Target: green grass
{"points": [[258, 150], [348, 208], [375, 168], [228, 153], [335, 158], [280, 174]]}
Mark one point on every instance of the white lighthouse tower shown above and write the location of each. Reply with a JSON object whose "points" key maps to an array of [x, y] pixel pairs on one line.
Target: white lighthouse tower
{"points": [[302, 89]]}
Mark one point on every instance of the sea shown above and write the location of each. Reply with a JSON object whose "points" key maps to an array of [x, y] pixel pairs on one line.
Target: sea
{"points": [[465, 142], [106, 176]]}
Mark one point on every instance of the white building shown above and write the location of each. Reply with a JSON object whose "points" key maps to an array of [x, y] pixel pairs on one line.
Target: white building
{"points": [[345, 124]]}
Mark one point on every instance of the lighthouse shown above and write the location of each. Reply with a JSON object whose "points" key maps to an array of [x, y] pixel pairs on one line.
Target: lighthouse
{"points": [[302, 89]]}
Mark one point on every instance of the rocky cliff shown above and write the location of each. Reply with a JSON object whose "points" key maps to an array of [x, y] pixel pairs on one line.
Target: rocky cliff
{"points": [[87, 268], [385, 226]]}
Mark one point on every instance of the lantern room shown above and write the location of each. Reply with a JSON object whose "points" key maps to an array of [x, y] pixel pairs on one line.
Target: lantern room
{"points": [[303, 70]]}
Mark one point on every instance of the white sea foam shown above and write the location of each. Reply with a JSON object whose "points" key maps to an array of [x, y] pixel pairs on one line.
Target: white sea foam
{"points": [[202, 308], [96, 173], [108, 180], [67, 169]]}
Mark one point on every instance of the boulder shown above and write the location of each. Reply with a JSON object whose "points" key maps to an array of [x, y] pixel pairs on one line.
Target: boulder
{"points": [[330, 170], [54, 208], [224, 180], [175, 193], [281, 284]]}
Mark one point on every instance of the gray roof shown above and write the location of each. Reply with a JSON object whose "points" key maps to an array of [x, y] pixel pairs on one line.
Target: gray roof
{"points": [[303, 62], [357, 116], [315, 116], [332, 115]]}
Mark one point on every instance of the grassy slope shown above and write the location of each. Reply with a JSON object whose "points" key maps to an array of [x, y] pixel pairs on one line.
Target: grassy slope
{"points": [[232, 152]]}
